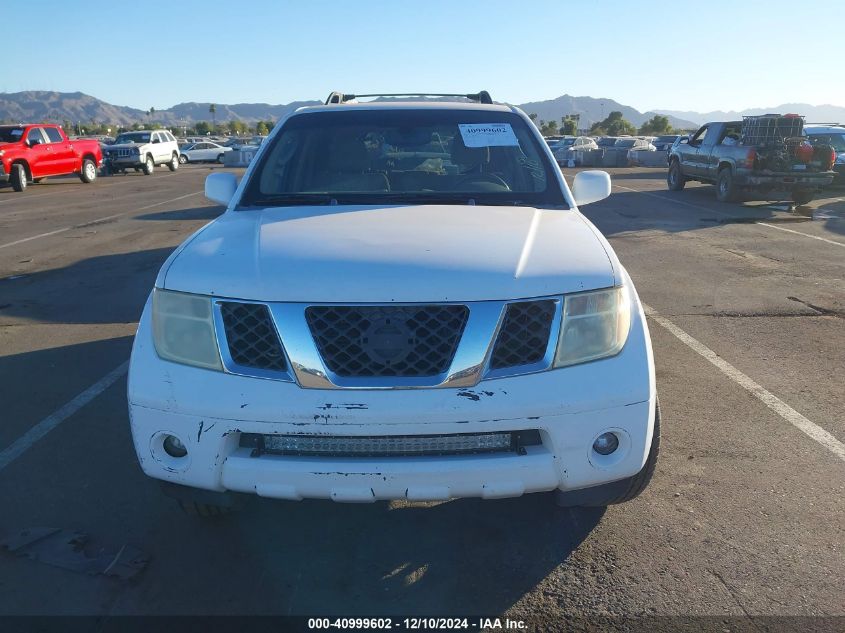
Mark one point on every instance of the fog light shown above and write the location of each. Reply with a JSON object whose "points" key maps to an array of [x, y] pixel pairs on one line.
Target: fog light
{"points": [[606, 443], [173, 446]]}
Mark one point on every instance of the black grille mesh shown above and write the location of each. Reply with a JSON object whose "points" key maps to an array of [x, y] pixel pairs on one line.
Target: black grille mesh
{"points": [[373, 341], [251, 337], [524, 335]]}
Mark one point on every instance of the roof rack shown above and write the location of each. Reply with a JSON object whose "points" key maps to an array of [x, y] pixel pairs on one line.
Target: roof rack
{"points": [[481, 97]]}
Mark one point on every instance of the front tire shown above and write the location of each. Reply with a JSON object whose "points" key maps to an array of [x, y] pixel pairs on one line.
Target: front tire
{"points": [[149, 166], [18, 177], [675, 179], [183, 159], [89, 171], [173, 165], [220, 158], [617, 491], [725, 186]]}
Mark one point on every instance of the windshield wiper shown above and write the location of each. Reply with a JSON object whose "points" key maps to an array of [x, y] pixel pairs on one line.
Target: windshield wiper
{"points": [[291, 200], [415, 198]]}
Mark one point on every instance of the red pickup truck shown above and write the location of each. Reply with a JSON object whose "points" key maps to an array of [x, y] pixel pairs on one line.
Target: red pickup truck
{"points": [[31, 152]]}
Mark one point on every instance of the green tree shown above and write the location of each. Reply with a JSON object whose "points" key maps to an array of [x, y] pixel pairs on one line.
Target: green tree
{"points": [[237, 127], [261, 129], [549, 128], [656, 125], [613, 125], [202, 128], [569, 126]]}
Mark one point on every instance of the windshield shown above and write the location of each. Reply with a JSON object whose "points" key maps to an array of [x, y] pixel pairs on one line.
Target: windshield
{"points": [[836, 141], [133, 137], [404, 156], [665, 139], [566, 141], [625, 143], [607, 141], [10, 134]]}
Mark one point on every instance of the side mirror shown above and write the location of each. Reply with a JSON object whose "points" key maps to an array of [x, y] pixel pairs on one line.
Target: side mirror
{"points": [[155, 140], [32, 142], [220, 188], [590, 186]]}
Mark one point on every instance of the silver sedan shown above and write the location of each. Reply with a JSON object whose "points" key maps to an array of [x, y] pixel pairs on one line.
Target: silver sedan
{"points": [[203, 151]]}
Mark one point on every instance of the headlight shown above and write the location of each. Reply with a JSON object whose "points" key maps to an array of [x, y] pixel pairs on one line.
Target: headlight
{"points": [[183, 329], [594, 325]]}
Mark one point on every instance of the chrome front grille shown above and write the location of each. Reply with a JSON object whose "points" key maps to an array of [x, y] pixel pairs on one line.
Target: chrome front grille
{"points": [[251, 337], [524, 335], [391, 346], [387, 341]]}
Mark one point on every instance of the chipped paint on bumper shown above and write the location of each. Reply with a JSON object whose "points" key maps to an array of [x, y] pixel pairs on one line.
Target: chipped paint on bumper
{"points": [[208, 411]]}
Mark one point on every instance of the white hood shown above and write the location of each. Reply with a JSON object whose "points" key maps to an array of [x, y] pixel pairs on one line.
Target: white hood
{"points": [[382, 254]]}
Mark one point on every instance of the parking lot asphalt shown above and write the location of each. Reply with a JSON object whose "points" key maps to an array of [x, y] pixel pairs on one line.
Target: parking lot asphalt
{"points": [[745, 516]]}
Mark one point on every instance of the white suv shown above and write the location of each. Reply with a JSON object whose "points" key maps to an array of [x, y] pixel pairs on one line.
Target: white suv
{"points": [[142, 151], [401, 301]]}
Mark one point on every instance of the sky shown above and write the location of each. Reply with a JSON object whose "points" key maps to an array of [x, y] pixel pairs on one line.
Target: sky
{"points": [[650, 54]]}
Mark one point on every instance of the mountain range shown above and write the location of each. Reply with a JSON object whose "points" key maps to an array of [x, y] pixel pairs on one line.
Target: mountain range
{"points": [[57, 107], [813, 114]]}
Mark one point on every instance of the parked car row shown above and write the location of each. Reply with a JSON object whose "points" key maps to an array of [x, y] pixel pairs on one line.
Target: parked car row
{"points": [[566, 148]]}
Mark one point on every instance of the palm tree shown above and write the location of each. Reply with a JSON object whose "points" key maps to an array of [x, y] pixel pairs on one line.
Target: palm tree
{"points": [[213, 110]]}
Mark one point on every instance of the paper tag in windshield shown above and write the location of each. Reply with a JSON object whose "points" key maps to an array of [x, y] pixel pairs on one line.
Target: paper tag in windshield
{"points": [[487, 134]]}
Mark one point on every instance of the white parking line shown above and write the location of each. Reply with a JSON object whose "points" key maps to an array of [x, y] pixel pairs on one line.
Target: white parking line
{"points": [[26, 441], [815, 237], [726, 214], [774, 403], [90, 222]]}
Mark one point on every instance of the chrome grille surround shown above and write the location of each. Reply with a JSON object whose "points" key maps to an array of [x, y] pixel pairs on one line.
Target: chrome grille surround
{"points": [[524, 334], [470, 363], [248, 341]]}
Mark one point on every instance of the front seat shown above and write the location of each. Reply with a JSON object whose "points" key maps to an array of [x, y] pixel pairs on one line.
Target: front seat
{"points": [[347, 168]]}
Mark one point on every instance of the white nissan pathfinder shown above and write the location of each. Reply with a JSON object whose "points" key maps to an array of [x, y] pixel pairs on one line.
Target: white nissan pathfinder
{"points": [[401, 301]]}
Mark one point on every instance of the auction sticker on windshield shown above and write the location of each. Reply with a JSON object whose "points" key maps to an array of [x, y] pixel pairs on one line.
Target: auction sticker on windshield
{"points": [[487, 134]]}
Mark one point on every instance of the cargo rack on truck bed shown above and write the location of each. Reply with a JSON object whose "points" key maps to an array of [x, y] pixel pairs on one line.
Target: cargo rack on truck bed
{"points": [[771, 129]]}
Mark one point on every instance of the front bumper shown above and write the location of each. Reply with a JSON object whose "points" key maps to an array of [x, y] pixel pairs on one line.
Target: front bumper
{"points": [[123, 161], [569, 407]]}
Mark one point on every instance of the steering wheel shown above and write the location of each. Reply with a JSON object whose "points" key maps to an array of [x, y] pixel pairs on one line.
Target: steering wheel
{"points": [[491, 178]]}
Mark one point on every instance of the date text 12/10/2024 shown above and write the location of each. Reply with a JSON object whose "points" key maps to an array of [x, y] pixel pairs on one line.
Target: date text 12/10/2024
{"points": [[413, 624]]}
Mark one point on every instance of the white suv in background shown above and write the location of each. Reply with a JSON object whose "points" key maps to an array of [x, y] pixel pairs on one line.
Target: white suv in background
{"points": [[142, 151], [401, 301]]}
